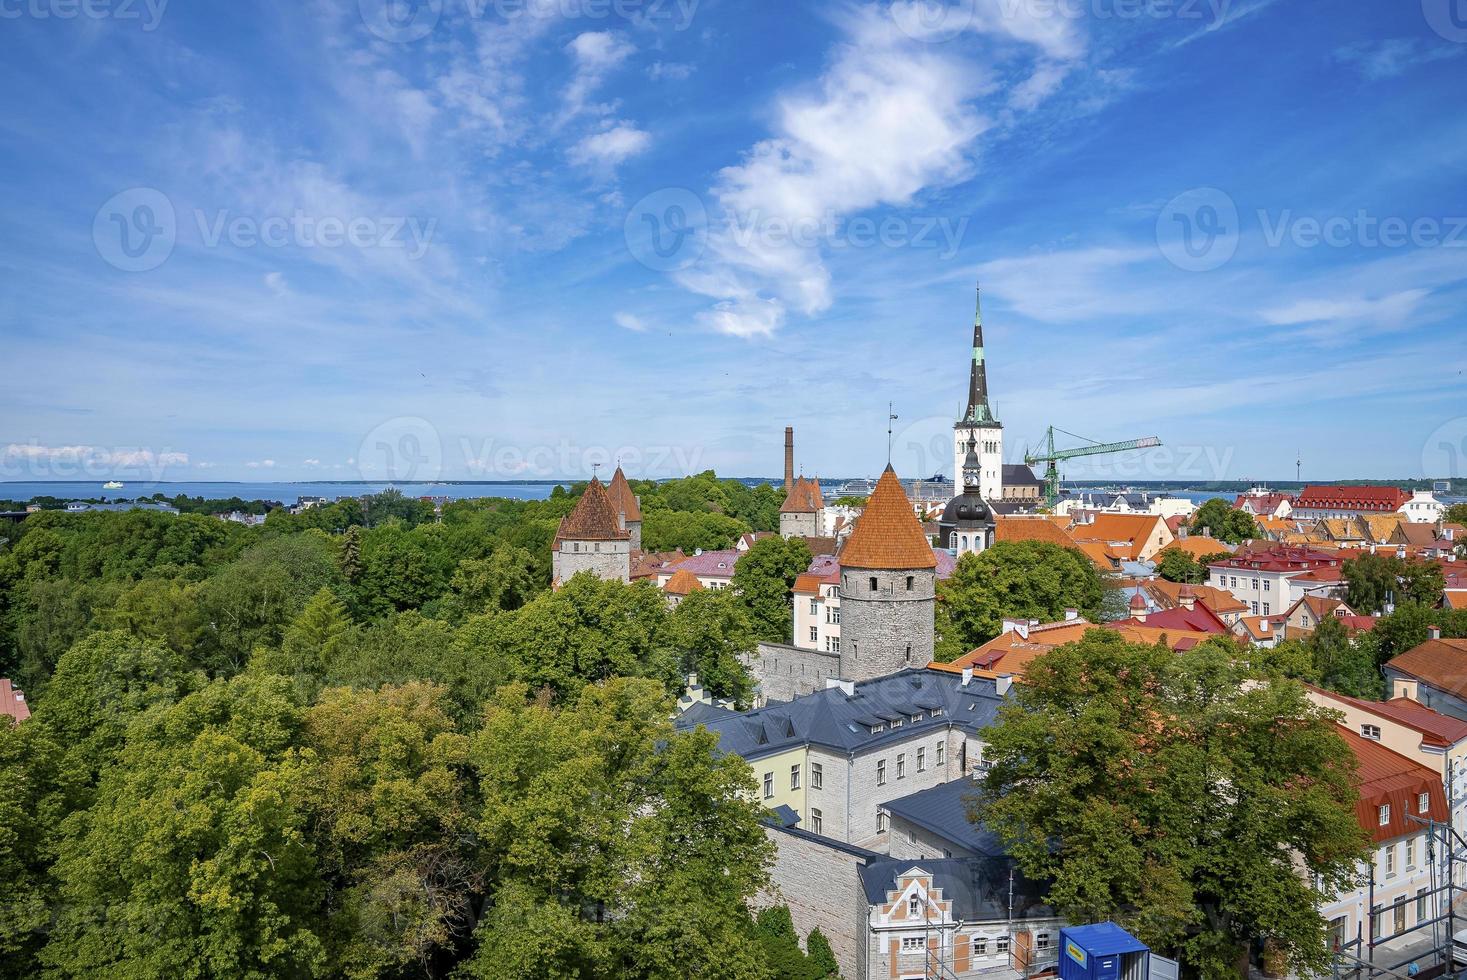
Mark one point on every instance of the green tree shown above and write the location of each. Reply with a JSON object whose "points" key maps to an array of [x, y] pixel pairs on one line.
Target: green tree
{"points": [[1341, 664], [1177, 565], [780, 943], [665, 530], [389, 814], [1370, 582], [614, 846], [1410, 626], [1218, 518], [1159, 790], [821, 964], [1456, 514], [763, 578], [504, 580], [351, 554], [710, 629], [31, 811], [1021, 579], [195, 854]]}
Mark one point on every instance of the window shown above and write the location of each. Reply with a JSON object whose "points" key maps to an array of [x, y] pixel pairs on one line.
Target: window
{"points": [[940, 747], [911, 581], [901, 765], [896, 723], [911, 944], [909, 653], [1255, 608], [817, 822], [1255, 585], [980, 945], [877, 729], [1041, 941], [881, 821], [913, 907], [917, 717], [880, 772], [1390, 861], [1421, 915], [1410, 846], [768, 785], [1372, 731], [873, 583], [817, 777], [1375, 922], [921, 759], [1336, 932], [1265, 585], [814, 634], [1423, 800], [832, 644], [1265, 609], [1385, 814], [794, 777], [934, 712], [1234, 583], [814, 607], [1001, 944]]}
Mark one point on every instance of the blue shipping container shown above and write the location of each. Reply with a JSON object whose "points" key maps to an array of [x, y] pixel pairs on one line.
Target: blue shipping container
{"points": [[1103, 951]]}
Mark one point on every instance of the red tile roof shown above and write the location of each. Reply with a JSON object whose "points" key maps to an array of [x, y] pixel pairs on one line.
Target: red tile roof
{"points": [[804, 497], [1281, 558], [682, 582], [888, 535], [1436, 728], [622, 497], [593, 519], [1378, 499], [1440, 663], [1390, 779], [12, 702]]}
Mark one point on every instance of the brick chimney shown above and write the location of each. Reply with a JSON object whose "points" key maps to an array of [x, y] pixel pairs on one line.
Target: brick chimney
{"points": [[789, 457], [1188, 598]]}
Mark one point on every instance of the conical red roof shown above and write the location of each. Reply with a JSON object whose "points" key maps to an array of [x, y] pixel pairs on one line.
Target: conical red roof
{"points": [[593, 519], [803, 498], [888, 535], [622, 498]]}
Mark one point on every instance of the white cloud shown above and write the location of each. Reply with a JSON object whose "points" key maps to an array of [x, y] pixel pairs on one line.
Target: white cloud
{"points": [[1229, 18], [1039, 24], [1391, 311], [1393, 56], [310, 462], [629, 321], [1039, 86], [609, 148], [275, 282], [669, 70], [261, 464], [596, 55]]}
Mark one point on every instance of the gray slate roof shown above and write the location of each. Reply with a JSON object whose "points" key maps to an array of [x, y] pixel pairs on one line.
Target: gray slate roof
{"points": [[942, 810], [978, 887], [1019, 475], [832, 719]]}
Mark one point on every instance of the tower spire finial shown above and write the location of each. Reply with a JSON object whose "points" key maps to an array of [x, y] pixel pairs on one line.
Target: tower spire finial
{"points": [[890, 418], [978, 410]]}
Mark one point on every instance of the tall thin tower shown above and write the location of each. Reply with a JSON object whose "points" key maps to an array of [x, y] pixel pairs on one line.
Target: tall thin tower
{"points": [[977, 423], [789, 457]]}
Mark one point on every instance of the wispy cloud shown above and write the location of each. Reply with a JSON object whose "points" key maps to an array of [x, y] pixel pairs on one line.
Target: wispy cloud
{"points": [[1388, 58]]}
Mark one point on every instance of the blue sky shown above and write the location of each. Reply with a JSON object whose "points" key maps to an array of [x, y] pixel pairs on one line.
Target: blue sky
{"points": [[499, 239]]}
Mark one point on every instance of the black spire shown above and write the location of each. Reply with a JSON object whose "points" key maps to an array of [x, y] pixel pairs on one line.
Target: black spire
{"points": [[978, 410]]}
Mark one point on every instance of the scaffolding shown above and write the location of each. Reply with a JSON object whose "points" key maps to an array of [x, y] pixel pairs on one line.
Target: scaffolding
{"points": [[1362, 957]]}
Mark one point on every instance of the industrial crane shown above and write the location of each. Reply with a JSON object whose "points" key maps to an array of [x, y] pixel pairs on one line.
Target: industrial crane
{"points": [[1051, 457]]}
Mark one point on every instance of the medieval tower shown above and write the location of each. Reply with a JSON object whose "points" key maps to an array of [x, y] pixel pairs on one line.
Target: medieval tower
{"points": [[888, 582], [591, 538]]}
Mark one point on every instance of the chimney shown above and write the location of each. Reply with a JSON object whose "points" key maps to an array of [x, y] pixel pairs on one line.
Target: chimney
{"points": [[1138, 608], [967, 676], [1071, 614], [1182, 532], [1188, 598], [1002, 683], [789, 457], [848, 687], [1434, 631], [1009, 625]]}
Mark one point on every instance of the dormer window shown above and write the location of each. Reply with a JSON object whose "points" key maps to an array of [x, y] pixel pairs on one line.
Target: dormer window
{"points": [[917, 717], [877, 729], [1422, 802], [934, 712], [1370, 731], [1384, 814]]}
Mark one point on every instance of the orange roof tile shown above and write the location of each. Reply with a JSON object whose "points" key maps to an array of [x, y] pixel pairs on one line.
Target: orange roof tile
{"points": [[887, 534], [592, 519], [1197, 547], [804, 497], [622, 498], [1440, 663], [1389, 779], [1032, 529], [682, 582]]}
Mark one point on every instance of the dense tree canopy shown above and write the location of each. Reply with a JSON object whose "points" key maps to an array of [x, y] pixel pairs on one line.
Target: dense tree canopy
{"points": [[1024, 579], [764, 577], [1375, 580], [1160, 790], [1220, 519]]}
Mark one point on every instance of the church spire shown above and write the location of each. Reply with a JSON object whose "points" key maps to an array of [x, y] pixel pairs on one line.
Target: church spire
{"points": [[978, 410]]}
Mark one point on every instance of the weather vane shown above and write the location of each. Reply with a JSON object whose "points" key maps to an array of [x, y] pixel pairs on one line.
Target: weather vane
{"points": [[890, 418]]}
